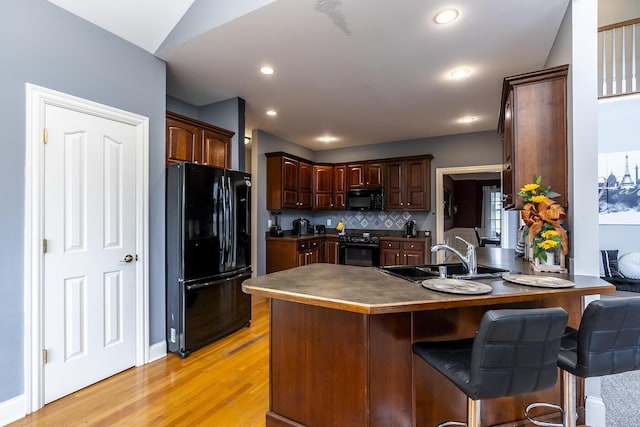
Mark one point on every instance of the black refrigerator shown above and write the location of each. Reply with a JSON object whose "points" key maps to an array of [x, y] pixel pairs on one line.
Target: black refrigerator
{"points": [[208, 248]]}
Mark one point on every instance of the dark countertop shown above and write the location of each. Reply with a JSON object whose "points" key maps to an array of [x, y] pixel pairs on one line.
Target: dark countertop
{"points": [[371, 291]]}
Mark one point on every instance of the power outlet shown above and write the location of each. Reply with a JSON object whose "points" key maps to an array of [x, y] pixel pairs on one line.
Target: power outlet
{"points": [[329, 222]]}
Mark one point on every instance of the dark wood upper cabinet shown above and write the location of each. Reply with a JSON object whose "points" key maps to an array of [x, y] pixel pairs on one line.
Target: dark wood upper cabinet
{"points": [[340, 187], [190, 140], [295, 183], [408, 184], [533, 123], [365, 175], [289, 183], [183, 142], [323, 187]]}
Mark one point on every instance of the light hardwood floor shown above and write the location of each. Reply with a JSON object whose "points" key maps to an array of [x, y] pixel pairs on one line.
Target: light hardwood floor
{"points": [[223, 384]]}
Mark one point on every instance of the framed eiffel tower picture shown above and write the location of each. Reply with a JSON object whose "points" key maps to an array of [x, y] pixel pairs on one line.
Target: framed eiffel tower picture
{"points": [[619, 188]]}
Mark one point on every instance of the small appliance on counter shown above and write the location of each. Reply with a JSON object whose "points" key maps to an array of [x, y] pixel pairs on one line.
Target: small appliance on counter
{"points": [[410, 228], [320, 229], [275, 230], [301, 227]]}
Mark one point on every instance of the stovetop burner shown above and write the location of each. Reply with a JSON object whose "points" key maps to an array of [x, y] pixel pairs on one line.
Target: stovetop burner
{"points": [[358, 239]]}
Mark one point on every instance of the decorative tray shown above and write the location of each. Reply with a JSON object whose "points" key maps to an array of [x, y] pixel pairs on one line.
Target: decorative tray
{"points": [[539, 281], [457, 286]]}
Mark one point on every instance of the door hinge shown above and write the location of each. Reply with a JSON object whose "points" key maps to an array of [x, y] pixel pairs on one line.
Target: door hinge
{"points": [[44, 246], [45, 135], [45, 356]]}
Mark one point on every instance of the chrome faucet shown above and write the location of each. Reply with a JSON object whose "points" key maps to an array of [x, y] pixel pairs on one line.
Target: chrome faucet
{"points": [[470, 260]]}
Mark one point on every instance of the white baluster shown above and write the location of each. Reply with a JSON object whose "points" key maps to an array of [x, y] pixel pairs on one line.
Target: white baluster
{"points": [[623, 81], [633, 58], [604, 63], [614, 86]]}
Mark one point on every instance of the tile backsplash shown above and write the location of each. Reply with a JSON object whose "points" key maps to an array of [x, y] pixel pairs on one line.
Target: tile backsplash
{"points": [[369, 220]]}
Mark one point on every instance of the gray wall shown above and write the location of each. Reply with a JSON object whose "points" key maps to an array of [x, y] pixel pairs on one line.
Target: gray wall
{"points": [[470, 149], [45, 45]]}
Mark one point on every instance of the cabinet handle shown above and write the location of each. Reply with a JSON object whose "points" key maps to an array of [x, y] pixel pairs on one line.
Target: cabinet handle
{"points": [[408, 204]]}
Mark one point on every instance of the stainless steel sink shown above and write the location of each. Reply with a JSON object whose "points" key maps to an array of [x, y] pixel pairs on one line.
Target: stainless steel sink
{"points": [[418, 273]]}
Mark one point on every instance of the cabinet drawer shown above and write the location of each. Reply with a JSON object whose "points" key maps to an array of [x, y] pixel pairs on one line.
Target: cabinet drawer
{"points": [[413, 246], [308, 244], [390, 244]]}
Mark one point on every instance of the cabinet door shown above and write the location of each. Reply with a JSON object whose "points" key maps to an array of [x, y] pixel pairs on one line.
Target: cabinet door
{"points": [[374, 175], [289, 183], [355, 176], [330, 252], [305, 186], [534, 117], [340, 187], [507, 156], [323, 187], [390, 257], [394, 190], [183, 142], [413, 252], [215, 149], [417, 187], [314, 256]]}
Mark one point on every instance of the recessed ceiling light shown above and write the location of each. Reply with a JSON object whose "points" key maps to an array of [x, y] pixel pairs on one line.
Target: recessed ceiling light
{"points": [[272, 113], [328, 139], [460, 73], [467, 119], [267, 70], [446, 16]]}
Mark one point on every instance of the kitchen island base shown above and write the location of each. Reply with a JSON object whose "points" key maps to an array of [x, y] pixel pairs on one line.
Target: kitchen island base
{"points": [[334, 367]]}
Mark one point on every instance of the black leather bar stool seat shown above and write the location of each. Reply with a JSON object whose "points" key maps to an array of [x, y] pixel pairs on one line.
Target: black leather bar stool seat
{"points": [[606, 342], [514, 352]]}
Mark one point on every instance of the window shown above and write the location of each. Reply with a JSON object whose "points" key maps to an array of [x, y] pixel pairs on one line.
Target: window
{"points": [[495, 212]]}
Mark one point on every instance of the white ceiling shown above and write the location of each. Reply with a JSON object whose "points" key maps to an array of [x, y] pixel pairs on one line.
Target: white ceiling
{"points": [[364, 71]]}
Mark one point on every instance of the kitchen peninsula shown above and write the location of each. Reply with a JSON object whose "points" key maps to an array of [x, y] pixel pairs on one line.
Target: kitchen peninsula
{"points": [[340, 343]]}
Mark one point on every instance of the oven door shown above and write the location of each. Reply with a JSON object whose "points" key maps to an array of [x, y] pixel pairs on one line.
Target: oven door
{"points": [[364, 255]]}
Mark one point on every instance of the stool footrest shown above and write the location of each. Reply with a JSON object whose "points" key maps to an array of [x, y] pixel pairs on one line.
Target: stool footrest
{"points": [[542, 405]]}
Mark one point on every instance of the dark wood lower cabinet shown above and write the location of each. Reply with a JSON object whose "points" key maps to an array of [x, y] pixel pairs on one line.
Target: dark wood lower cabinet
{"points": [[340, 368]]}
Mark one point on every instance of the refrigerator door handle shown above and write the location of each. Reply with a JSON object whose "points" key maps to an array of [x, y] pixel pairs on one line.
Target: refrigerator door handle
{"points": [[216, 282]]}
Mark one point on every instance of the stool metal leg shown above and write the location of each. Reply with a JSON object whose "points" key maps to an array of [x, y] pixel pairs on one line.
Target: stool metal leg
{"points": [[570, 413], [473, 412], [473, 415]]}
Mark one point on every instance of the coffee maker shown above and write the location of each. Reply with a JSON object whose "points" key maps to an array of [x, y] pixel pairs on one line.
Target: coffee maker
{"points": [[275, 230], [301, 227], [410, 228]]}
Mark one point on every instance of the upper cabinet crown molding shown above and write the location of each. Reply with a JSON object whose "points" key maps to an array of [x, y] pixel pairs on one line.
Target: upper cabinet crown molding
{"points": [[533, 124]]}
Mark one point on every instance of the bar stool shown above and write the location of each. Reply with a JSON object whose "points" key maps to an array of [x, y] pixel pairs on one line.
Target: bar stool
{"points": [[606, 342], [515, 351]]}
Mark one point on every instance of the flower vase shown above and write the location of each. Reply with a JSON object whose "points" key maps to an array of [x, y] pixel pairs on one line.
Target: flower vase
{"points": [[551, 258]]}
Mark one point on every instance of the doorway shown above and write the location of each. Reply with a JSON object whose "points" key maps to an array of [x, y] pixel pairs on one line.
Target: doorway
{"points": [[441, 196], [96, 165]]}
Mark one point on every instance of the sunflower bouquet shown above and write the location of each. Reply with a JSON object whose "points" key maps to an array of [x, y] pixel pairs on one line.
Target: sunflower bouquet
{"points": [[542, 217]]}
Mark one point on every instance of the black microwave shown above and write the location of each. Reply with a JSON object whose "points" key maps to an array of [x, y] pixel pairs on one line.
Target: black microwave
{"points": [[365, 199]]}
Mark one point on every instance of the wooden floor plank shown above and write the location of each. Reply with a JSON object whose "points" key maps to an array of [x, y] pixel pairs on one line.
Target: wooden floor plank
{"points": [[223, 384]]}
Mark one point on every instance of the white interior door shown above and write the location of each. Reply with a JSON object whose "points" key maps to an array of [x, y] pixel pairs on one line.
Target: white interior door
{"points": [[89, 302]]}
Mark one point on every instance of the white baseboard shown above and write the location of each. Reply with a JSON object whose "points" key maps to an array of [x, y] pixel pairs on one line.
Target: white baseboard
{"points": [[595, 412], [157, 351], [12, 410]]}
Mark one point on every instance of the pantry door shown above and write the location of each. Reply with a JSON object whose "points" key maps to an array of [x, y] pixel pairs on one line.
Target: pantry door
{"points": [[90, 299]]}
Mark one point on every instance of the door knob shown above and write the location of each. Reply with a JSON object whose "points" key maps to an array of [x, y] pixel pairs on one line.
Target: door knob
{"points": [[127, 258]]}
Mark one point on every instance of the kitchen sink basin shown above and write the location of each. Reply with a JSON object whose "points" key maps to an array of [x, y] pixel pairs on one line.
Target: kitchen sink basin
{"points": [[418, 273]]}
